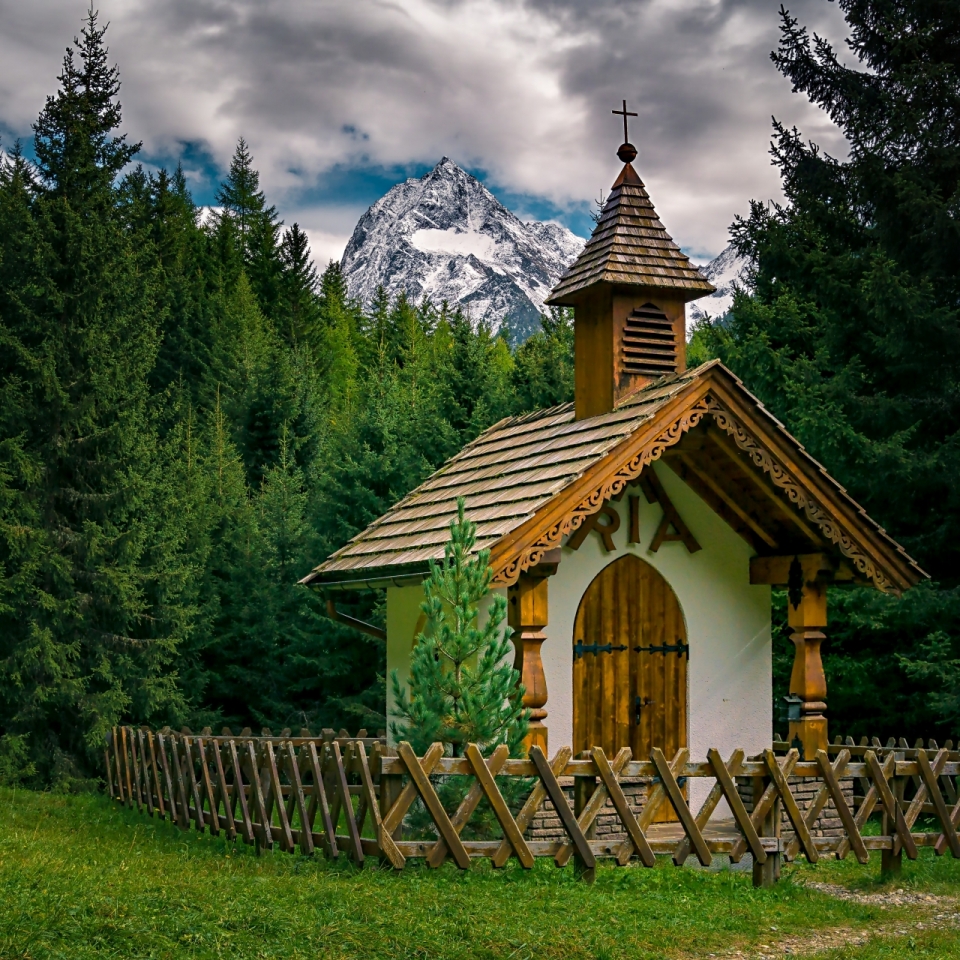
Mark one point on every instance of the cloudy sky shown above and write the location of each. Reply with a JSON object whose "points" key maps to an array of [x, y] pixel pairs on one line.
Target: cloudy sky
{"points": [[340, 99]]}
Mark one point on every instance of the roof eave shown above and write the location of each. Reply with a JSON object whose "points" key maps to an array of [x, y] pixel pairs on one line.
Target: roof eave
{"points": [[903, 570], [367, 578], [573, 297]]}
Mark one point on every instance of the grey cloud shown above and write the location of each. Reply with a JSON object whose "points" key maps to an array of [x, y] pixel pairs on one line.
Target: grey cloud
{"points": [[521, 89]]}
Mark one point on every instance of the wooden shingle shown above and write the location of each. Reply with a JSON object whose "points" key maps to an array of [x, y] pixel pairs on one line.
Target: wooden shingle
{"points": [[630, 246], [506, 475]]}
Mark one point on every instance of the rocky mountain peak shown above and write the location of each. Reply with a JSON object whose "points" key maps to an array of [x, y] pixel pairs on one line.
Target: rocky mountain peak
{"points": [[444, 236], [723, 272]]}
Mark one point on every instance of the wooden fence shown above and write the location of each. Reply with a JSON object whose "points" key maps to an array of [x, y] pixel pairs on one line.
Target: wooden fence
{"points": [[350, 796]]}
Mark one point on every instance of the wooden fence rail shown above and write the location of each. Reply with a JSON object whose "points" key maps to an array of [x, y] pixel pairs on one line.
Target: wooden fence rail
{"points": [[352, 796]]}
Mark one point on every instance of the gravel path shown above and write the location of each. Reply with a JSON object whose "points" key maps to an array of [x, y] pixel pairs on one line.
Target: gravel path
{"points": [[932, 912]]}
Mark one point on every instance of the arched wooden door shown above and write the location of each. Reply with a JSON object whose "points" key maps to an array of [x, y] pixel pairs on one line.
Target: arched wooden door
{"points": [[632, 696]]}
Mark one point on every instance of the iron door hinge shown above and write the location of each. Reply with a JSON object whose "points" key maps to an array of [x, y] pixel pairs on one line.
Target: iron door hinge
{"points": [[580, 648], [679, 648]]}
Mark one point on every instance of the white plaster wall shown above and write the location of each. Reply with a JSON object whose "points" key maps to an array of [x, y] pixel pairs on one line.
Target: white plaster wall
{"points": [[728, 625]]}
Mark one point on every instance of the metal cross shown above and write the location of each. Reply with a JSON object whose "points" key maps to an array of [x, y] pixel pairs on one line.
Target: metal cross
{"points": [[624, 113]]}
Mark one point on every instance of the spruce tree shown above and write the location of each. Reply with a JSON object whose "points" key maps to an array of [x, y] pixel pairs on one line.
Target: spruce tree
{"points": [[543, 367], [853, 329], [89, 633], [335, 342], [181, 250], [266, 392], [255, 227], [374, 328], [299, 284], [461, 688]]}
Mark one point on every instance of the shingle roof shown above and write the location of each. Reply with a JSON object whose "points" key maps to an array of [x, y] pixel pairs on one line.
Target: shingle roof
{"points": [[506, 475], [525, 472], [630, 246]]}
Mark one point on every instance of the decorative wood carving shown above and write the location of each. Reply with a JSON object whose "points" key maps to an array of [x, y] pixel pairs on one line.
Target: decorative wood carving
{"points": [[783, 479], [614, 484]]}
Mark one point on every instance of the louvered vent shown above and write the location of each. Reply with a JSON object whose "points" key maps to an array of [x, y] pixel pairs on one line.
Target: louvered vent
{"points": [[649, 344]]}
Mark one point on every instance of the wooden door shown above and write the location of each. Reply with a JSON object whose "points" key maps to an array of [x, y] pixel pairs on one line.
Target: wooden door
{"points": [[631, 608]]}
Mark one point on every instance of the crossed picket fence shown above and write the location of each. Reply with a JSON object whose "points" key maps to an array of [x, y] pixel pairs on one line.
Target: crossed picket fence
{"points": [[352, 796]]}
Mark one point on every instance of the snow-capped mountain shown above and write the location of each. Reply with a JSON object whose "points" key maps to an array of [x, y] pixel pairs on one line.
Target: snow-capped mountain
{"points": [[723, 271], [446, 237]]}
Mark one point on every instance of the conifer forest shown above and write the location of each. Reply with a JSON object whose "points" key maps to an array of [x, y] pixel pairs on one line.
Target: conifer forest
{"points": [[193, 414]]}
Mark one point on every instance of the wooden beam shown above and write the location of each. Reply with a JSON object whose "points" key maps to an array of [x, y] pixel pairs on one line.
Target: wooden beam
{"points": [[714, 502], [888, 566], [748, 470], [548, 564], [710, 482], [815, 566]]}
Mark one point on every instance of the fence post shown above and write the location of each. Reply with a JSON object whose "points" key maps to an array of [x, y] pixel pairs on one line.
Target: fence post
{"points": [[584, 788], [391, 784], [768, 873], [106, 761], [891, 864]]}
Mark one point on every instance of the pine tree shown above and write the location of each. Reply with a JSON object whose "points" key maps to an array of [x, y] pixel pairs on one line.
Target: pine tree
{"points": [[21, 550], [461, 689], [240, 195], [543, 366], [266, 391], [374, 327], [406, 334], [79, 155], [181, 249], [336, 342]]}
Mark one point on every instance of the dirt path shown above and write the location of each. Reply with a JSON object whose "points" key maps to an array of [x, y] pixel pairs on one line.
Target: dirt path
{"points": [[932, 913]]}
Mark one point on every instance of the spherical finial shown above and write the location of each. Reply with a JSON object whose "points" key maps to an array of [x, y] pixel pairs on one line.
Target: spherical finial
{"points": [[627, 152]]}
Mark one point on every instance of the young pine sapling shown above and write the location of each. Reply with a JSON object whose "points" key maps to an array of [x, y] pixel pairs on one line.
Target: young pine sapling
{"points": [[462, 688]]}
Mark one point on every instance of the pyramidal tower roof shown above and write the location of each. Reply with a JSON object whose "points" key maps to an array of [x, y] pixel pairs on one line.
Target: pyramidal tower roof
{"points": [[630, 246]]}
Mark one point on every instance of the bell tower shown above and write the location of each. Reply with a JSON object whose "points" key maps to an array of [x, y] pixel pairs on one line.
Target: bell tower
{"points": [[628, 289]]}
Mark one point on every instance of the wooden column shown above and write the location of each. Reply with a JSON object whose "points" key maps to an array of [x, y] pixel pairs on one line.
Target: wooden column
{"points": [[527, 614], [807, 616]]}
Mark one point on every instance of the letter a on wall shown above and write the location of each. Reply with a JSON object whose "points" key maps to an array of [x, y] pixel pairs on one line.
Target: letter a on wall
{"points": [[653, 489]]}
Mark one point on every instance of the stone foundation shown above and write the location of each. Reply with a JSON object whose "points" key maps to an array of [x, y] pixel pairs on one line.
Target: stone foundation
{"points": [[546, 824], [804, 789]]}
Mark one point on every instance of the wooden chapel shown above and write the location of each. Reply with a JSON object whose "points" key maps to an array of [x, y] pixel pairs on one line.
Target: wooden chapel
{"points": [[637, 531]]}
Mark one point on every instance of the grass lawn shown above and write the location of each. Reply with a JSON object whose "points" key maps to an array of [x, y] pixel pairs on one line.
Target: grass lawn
{"points": [[81, 878]]}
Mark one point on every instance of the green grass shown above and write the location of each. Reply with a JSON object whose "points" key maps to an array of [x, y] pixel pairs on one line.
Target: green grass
{"points": [[82, 878]]}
